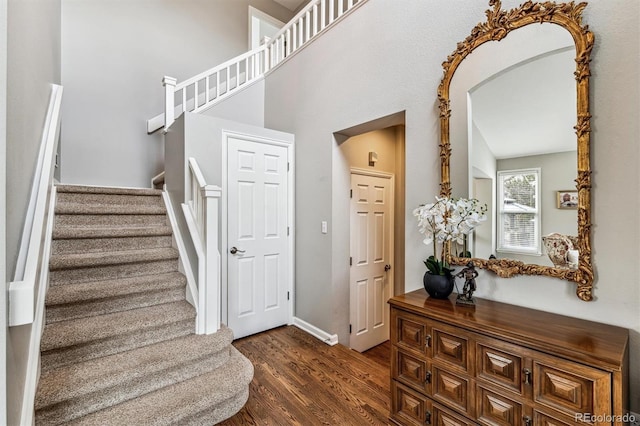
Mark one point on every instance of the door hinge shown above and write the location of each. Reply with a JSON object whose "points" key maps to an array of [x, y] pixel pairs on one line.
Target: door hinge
{"points": [[349, 328], [288, 295], [351, 261], [288, 166], [351, 193], [287, 230]]}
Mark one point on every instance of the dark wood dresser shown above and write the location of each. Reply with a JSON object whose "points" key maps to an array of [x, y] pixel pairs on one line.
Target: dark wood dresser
{"points": [[500, 364]]}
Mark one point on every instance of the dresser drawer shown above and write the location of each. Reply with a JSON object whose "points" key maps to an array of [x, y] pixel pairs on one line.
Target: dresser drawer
{"points": [[408, 406], [496, 409], [411, 370], [443, 417], [409, 331], [452, 389], [571, 388], [500, 364], [451, 346], [546, 419]]}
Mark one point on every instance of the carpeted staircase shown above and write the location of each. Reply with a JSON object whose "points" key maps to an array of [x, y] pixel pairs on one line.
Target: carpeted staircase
{"points": [[118, 346]]}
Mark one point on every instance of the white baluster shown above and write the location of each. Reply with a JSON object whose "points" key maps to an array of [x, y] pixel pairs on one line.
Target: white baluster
{"points": [[169, 84], [287, 42], [196, 92], [217, 84], [331, 10], [323, 14], [349, 4], [206, 90], [308, 25], [228, 80], [237, 74], [184, 98], [340, 8], [315, 19], [301, 32]]}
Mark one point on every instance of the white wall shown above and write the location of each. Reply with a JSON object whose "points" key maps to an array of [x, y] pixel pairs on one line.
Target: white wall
{"points": [[385, 59], [114, 56], [33, 54], [4, 307]]}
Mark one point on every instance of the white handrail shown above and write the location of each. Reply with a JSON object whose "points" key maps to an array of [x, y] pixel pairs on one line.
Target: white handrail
{"points": [[22, 291], [209, 87], [201, 214]]}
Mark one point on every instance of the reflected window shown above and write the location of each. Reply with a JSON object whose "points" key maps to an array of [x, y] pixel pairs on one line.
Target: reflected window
{"points": [[519, 211]]}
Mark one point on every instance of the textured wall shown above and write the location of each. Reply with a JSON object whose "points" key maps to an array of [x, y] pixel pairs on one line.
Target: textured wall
{"points": [[384, 59]]}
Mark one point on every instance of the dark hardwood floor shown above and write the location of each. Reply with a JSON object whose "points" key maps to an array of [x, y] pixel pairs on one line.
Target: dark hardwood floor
{"points": [[300, 380]]}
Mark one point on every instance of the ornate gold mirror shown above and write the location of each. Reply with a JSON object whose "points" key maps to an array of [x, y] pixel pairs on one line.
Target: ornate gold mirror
{"points": [[508, 126]]}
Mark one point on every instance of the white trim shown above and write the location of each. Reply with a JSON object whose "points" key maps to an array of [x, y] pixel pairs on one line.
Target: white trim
{"points": [[33, 361], [192, 288], [224, 253], [329, 339]]}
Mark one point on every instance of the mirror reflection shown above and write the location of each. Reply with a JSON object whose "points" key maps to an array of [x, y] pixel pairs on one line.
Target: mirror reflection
{"points": [[512, 124]]}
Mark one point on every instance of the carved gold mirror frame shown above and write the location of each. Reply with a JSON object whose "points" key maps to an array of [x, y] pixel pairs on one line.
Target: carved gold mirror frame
{"points": [[499, 23]]}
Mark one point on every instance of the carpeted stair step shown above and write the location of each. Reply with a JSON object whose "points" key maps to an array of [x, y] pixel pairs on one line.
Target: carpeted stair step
{"points": [[205, 399], [79, 340], [101, 245], [111, 272], [154, 199], [80, 389], [70, 232], [109, 220], [71, 301], [107, 190], [112, 209], [82, 267]]}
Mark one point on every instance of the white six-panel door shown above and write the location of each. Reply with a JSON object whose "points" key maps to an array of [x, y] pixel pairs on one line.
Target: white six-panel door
{"points": [[371, 243], [259, 257]]}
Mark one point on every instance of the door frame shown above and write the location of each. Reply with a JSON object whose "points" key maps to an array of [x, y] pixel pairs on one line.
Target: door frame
{"points": [[224, 220], [390, 276]]}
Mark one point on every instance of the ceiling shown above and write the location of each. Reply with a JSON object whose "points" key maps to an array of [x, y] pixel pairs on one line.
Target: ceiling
{"points": [[529, 109], [292, 5]]}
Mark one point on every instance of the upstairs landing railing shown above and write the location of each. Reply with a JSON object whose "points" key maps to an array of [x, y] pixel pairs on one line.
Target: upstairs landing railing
{"points": [[206, 89]]}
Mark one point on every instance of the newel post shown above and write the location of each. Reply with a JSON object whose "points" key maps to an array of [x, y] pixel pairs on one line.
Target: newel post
{"points": [[169, 84], [210, 291]]}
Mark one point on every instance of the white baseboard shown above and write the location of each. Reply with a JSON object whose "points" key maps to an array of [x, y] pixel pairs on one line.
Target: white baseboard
{"points": [[329, 339]]}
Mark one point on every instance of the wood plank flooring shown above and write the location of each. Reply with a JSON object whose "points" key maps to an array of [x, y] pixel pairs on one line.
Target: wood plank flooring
{"points": [[300, 380]]}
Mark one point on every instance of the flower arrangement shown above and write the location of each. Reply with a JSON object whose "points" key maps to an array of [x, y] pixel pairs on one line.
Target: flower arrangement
{"points": [[448, 220]]}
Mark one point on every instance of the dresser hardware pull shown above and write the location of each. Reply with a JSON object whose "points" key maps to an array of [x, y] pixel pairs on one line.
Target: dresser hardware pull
{"points": [[427, 340], [427, 419], [527, 376], [527, 421], [427, 378]]}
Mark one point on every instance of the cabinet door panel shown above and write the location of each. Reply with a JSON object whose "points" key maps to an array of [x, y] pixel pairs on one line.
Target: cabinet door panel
{"points": [[409, 332], [411, 370], [501, 367], [451, 389], [496, 409], [571, 388], [450, 345], [408, 406], [444, 417]]}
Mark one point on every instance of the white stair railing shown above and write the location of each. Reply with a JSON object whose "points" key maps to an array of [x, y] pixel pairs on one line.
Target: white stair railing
{"points": [[201, 214], [206, 89]]}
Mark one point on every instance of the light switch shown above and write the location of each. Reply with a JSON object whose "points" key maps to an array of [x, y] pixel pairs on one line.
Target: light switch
{"points": [[324, 226]]}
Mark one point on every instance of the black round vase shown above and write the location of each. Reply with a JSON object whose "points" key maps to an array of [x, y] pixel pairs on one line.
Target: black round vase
{"points": [[438, 286]]}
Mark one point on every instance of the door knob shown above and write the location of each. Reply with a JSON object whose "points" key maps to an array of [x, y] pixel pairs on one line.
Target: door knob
{"points": [[387, 267], [235, 250]]}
